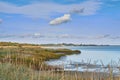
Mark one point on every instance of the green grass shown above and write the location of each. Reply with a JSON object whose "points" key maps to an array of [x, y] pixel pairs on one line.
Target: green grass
{"points": [[27, 63], [29, 54], [10, 71]]}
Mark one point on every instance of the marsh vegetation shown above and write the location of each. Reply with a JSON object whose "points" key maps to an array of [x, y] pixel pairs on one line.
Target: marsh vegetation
{"points": [[27, 62]]}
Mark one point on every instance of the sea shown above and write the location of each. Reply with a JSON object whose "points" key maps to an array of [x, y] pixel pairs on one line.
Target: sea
{"points": [[91, 57]]}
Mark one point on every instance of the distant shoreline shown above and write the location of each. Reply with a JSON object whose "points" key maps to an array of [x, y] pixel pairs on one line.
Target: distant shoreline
{"points": [[59, 44]]}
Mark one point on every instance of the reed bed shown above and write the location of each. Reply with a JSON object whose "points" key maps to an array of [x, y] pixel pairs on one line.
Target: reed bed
{"points": [[28, 62], [14, 71]]}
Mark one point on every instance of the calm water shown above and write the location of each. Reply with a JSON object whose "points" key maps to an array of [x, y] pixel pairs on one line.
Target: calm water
{"points": [[106, 54], [93, 53]]}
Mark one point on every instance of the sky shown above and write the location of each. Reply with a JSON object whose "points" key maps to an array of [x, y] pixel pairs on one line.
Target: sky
{"points": [[60, 21]]}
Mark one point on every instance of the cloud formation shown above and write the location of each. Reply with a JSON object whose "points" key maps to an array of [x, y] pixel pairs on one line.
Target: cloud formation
{"points": [[84, 37], [100, 36], [34, 35], [82, 9], [78, 11], [60, 20], [43, 10], [61, 36], [115, 37]]}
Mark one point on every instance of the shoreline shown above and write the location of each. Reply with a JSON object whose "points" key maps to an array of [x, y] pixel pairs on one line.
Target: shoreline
{"points": [[31, 54]]}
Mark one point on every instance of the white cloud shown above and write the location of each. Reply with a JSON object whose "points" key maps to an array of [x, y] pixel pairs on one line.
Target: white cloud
{"points": [[78, 11], [87, 8], [61, 19], [115, 37], [1, 20], [42, 10], [99, 36], [35, 35], [62, 36], [92, 37]]}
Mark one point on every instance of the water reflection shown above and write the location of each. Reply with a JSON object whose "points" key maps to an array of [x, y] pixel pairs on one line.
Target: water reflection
{"points": [[91, 58]]}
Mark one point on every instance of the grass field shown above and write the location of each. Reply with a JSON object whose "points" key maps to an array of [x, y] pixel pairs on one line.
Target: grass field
{"points": [[27, 62]]}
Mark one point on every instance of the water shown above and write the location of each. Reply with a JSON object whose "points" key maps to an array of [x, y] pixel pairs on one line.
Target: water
{"points": [[90, 54], [104, 53]]}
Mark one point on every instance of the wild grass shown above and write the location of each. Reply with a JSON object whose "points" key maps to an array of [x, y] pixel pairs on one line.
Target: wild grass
{"points": [[10, 71], [30, 55], [28, 63]]}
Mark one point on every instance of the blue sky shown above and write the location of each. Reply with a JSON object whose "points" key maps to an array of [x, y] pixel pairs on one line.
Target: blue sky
{"points": [[60, 21]]}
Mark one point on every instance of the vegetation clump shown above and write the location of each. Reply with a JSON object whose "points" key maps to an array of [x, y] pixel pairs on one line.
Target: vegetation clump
{"points": [[30, 55]]}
